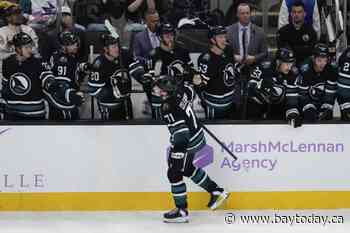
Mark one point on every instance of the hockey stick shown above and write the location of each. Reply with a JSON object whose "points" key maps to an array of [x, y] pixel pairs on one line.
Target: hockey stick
{"points": [[111, 29], [219, 142], [91, 60]]}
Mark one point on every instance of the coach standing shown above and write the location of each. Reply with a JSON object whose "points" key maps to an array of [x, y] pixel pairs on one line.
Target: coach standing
{"points": [[298, 35]]}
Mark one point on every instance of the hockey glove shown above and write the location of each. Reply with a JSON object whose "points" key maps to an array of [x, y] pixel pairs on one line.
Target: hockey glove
{"points": [[147, 82], [259, 96], [294, 120], [345, 114], [77, 98], [325, 114]]}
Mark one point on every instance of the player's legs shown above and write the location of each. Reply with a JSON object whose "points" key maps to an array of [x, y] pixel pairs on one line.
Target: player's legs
{"points": [[202, 179], [178, 189]]}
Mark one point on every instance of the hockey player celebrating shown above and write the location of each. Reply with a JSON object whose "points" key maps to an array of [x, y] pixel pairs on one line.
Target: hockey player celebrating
{"points": [[187, 138], [218, 77], [168, 58], [69, 73], [273, 89], [109, 82], [27, 81], [317, 84], [343, 82]]}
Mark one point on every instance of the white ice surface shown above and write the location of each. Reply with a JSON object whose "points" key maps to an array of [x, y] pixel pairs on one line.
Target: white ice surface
{"points": [[200, 221]]}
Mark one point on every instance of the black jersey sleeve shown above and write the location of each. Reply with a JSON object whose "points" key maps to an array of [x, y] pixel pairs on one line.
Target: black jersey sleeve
{"points": [[292, 93], [179, 131], [330, 88]]}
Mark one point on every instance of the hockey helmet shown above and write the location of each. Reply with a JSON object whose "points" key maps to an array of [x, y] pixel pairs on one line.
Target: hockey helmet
{"points": [[217, 30], [320, 50], [22, 39], [168, 84], [164, 28], [285, 55], [108, 39], [68, 38]]}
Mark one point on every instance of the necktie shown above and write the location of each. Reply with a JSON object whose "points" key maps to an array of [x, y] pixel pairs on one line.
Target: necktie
{"points": [[244, 41], [154, 41]]}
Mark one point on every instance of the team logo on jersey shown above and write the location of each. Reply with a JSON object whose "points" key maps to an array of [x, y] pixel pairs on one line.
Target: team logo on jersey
{"points": [[277, 93], [306, 37], [20, 84], [230, 75], [118, 76], [119, 81], [317, 91], [176, 68]]}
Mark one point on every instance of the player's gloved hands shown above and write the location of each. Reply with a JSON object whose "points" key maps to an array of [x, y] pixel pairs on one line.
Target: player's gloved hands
{"points": [[345, 114], [294, 120], [77, 98], [260, 96], [325, 114], [147, 82]]}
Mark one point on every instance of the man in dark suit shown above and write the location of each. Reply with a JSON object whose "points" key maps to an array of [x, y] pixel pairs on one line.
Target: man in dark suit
{"points": [[146, 40], [247, 39], [249, 48]]}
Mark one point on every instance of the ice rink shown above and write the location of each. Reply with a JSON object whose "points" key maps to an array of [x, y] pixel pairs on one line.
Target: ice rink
{"points": [[200, 221]]}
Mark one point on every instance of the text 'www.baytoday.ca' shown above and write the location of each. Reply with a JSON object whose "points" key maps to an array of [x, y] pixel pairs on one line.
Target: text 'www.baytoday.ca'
{"points": [[294, 219]]}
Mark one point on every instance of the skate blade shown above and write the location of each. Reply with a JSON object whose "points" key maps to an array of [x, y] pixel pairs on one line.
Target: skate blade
{"points": [[222, 198], [177, 220]]}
